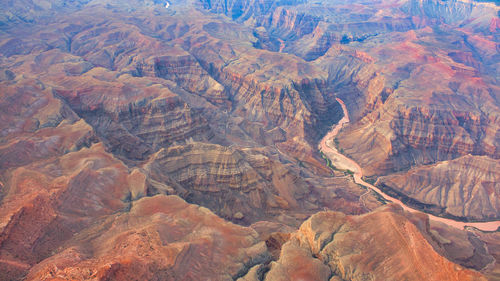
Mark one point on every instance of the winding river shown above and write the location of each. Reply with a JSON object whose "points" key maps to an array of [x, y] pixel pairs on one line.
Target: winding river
{"points": [[342, 162]]}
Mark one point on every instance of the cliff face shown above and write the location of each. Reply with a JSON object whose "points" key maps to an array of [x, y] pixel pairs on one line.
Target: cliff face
{"points": [[473, 13], [404, 136], [463, 187], [243, 10], [262, 91], [240, 185], [185, 71], [134, 121], [308, 29]]}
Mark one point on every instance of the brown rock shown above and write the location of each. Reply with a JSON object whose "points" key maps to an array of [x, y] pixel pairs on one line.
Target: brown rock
{"points": [[468, 186], [228, 180]]}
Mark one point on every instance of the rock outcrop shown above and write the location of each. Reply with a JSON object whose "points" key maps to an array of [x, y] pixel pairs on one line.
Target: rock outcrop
{"points": [[135, 121], [229, 181], [383, 245], [160, 237], [466, 187], [47, 202]]}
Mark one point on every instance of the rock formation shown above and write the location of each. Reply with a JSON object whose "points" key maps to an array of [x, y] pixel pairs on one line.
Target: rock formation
{"points": [[160, 237], [464, 187], [383, 245], [145, 143]]}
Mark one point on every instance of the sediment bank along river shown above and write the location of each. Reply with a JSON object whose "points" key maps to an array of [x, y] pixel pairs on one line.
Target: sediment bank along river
{"points": [[327, 147]]}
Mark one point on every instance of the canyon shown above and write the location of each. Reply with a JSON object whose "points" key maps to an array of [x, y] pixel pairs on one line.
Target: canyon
{"points": [[341, 162], [249, 140]]}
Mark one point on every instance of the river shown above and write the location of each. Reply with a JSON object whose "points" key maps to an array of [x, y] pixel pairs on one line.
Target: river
{"points": [[342, 162]]}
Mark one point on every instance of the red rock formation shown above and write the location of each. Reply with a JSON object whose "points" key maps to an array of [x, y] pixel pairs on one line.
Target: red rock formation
{"points": [[160, 237], [47, 202], [383, 245], [110, 112]]}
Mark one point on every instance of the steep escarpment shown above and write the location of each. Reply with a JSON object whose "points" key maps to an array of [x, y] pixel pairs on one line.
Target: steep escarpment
{"points": [[470, 13], [185, 71], [135, 123], [237, 184], [411, 122], [463, 187], [243, 10], [404, 135], [475, 133], [355, 79], [310, 32], [308, 29], [294, 100]]}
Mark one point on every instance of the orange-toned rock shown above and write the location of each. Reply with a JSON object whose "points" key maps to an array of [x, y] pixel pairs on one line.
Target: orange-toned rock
{"points": [[160, 237], [382, 245], [112, 111], [47, 202]]}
